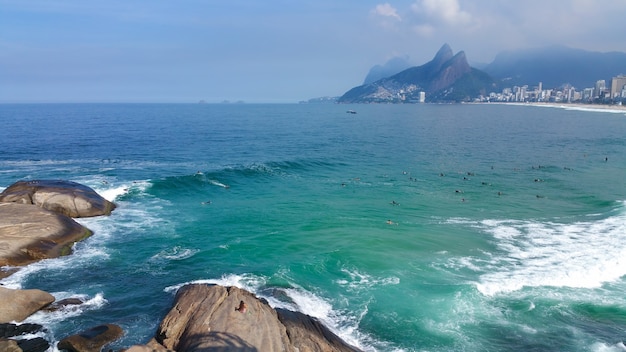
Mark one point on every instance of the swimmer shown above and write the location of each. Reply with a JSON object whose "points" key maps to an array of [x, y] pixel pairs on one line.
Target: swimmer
{"points": [[243, 307], [389, 222], [393, 202], [207, 202]]}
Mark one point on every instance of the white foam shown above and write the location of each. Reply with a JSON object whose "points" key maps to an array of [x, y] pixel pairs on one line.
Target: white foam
{"points": [[217, 183], [111, 190], [358, 280], [49, 318], [539, 254], [175, 253], [78, 258], [576, 107], [603, 347], [112, 193], [247, 282]]}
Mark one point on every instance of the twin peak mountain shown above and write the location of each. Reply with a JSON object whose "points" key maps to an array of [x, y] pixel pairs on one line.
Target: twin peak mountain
{"points": [[446, 78]]}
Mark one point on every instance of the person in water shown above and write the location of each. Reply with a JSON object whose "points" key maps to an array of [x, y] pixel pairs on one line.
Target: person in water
{"points": [[243, 307]]}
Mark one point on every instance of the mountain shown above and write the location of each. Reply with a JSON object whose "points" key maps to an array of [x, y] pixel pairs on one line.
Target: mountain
{"points": [[390, 68], [447, 77], [555, 66]]}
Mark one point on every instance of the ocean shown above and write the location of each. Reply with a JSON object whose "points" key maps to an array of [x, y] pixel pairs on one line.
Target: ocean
{"points": [[469, 227]]}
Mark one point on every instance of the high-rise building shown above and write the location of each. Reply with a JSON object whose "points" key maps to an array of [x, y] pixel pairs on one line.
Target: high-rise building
{"points": [[600, 87], [617, 85]]}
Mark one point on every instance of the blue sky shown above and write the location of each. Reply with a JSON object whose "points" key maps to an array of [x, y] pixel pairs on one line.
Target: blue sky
{"points": [[264, 51]]}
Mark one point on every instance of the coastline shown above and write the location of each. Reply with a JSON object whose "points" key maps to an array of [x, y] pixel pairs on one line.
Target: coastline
{"points": [[572, 106]]}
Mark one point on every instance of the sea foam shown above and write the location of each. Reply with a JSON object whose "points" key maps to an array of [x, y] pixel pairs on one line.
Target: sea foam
{"points": [[535, 254]]}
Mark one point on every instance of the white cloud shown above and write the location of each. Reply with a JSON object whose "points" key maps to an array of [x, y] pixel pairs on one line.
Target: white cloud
{"points": [[443, 11], [387, 11]]}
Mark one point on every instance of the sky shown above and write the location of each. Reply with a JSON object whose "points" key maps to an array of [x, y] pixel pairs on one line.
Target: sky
{"points": [[272, 51]]}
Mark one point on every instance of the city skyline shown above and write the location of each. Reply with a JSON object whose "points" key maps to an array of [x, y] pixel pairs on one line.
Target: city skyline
{"points": [[276, 51], [613, 93]]}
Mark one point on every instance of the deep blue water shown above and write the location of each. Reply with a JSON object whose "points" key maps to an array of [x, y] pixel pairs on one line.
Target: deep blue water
{"points": [[403, 227]]}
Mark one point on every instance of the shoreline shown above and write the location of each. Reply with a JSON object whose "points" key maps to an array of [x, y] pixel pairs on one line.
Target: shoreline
{"points": [[570, 106]]}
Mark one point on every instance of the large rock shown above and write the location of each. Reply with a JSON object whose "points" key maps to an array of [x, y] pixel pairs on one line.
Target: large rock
{"points": [[38, 344], [309, 334], [91, 340], [7, 330], [11, 330], [64, 197], [9, 346], [18, 305], [211, 317], [152, 346], [29, 233]]}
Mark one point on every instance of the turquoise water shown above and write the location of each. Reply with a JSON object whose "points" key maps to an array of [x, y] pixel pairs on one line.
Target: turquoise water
{"points": [[402, 228]]}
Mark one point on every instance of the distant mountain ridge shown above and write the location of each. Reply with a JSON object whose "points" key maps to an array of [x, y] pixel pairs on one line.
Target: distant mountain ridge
{"points": [[447, 77], [390, 68], [555, 66]]}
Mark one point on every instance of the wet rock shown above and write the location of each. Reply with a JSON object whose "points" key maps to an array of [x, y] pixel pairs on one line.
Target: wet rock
{"points": [[63, 197], [18, 305], [67, 302], [38, 344], [10, 330], [91, 340]]}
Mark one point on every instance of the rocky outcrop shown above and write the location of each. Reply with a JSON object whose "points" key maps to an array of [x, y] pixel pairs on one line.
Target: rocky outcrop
{"points": [[63, 197], [29, 233], [211, 317], [151, 346], [18, 305], [9, 331], [91, 340]]}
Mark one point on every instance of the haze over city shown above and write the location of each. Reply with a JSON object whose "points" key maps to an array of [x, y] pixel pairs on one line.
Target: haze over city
{"points": [[272, 51]]}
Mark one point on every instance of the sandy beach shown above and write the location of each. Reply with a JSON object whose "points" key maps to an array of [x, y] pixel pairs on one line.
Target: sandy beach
{"points": [[576, 106]]}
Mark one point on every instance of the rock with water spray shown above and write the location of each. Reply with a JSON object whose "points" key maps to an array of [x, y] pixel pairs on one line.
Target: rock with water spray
{"points": [[18, 305], [212, 317]]}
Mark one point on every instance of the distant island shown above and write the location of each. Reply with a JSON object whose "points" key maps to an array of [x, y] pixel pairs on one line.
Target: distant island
{"points": [[550, 74]]}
